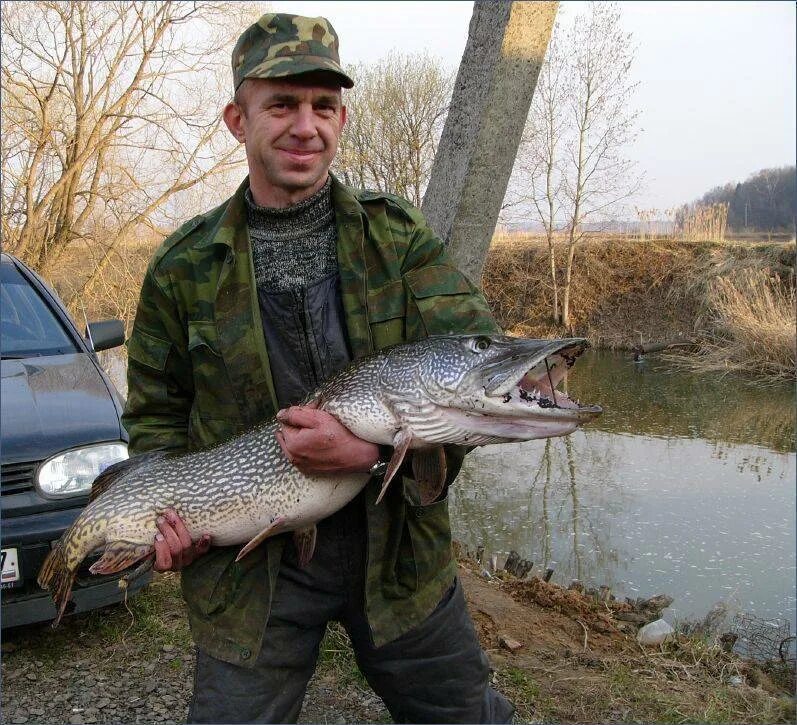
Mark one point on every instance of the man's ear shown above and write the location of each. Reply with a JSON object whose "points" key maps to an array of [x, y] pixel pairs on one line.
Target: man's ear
{"points": [[343, 116], [233, 118]]}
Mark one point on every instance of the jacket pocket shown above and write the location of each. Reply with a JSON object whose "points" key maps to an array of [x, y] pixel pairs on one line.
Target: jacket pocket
{"points": [[387, 310], [213, 399], [204, 430], [430, 533], [443, 301], [213, 583], [424, 548], [148, 350], [207, 582], [202, 338]]}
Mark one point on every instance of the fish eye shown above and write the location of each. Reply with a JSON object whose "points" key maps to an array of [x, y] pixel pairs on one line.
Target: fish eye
{"points": [[481, 343]]}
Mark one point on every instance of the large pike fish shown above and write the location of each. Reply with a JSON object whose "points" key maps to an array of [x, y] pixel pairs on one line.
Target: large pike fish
{"points": [[469, 390]]}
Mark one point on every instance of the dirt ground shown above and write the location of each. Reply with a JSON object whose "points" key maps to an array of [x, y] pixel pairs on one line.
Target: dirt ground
{"points": [[578, 663], [574, 664]]}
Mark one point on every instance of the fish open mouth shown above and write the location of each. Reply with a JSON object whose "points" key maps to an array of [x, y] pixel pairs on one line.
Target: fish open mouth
{"points": [[531, 378]]}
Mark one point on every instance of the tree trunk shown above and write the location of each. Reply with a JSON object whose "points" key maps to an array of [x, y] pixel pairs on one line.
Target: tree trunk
{"points": [[492, 94], [571, 249]]}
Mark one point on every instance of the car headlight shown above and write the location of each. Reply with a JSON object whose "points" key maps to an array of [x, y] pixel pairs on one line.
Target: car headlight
{"points": [[71, 473]]}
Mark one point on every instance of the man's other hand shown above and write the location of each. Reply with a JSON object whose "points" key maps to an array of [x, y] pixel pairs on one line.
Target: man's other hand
{"points": [[317, 442], [173, 546]]}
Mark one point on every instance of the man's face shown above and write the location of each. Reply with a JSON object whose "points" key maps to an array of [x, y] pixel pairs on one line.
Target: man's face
{"points": [[291, 129]]}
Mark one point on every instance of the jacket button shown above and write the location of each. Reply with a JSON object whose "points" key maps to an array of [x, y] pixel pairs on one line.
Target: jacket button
{"points": [[246, 653]]}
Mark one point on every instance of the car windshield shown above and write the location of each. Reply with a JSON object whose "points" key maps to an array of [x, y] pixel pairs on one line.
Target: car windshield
{"points": [[28, 327]]}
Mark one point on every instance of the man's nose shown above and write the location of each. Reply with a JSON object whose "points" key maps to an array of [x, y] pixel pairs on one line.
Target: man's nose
{"points": [[304, 122]]}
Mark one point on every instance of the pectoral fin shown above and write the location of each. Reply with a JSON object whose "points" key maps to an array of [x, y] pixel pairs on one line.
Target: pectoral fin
{"points": [[119, 555], [304, 541], [270, 530], [429, 469], [401, 443]]}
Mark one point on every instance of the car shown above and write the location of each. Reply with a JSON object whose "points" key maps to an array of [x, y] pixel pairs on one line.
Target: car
{"points": [[60, 426]]}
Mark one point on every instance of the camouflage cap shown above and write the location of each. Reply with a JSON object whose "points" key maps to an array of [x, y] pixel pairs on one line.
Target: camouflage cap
{"points": [[280, 45]]}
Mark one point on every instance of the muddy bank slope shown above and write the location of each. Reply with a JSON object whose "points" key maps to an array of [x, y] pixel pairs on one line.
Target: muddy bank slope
{"points": [[624, 291]]}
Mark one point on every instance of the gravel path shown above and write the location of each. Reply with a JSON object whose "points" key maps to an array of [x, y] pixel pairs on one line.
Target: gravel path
{"points": [[137, 666], [108, 687], [100, 687]]}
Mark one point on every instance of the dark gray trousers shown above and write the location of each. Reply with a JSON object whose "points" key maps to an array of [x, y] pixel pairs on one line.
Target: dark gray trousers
{"points": [[436, 673]]}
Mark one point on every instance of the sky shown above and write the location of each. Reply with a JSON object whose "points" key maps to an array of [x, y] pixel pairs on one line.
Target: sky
{"points": [[716, 89]]}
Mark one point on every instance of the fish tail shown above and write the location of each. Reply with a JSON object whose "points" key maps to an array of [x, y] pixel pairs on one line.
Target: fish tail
{"points": [[56, 576]]}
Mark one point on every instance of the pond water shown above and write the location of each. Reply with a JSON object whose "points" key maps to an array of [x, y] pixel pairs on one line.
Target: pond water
{"points": [[685, 486]]}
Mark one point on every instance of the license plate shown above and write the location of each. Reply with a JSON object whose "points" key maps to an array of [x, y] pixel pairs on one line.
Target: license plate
{"points": [[10, 561]]}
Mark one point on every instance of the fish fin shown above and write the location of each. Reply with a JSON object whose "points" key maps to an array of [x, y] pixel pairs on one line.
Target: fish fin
{"points": [[270, 530], [119, 555], [429, 469], [304, 541], [113, 473], [56, 576], [401, 443]]}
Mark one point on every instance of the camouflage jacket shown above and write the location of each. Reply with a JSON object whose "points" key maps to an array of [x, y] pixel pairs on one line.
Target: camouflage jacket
{"points": [[199, 372]]}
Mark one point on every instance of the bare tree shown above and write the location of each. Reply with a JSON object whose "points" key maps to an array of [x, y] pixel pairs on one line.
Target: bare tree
{"points": [[597, 175], [571, 169], [396, 112], [111, 110], [539, 179]]}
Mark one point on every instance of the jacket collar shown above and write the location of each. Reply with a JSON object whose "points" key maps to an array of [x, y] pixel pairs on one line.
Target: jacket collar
{"points": [[230, 230], [231, 219]]}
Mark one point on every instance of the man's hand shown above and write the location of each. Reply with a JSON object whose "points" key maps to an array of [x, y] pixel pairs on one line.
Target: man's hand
{"points": [[173, 546], [317, 442]]}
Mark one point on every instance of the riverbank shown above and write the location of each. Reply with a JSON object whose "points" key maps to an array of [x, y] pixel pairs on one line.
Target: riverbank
{"points": [[729, 299], [575, 664], [731, 303]]}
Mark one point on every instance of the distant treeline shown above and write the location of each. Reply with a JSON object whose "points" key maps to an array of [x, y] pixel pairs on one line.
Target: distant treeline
{"points": [[766, 202]]}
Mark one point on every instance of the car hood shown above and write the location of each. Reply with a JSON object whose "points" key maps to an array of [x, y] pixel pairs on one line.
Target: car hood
{"points": [[50, 404]]}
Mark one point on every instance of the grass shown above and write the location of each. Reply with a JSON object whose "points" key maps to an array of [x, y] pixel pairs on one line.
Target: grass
{"points": [[522, 691], [683, 681], [150, 619], [647, 688], [336, 656]]}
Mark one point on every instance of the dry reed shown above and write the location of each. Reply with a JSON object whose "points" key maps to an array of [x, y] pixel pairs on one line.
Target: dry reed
{"points": [[702, 222], [754, 321]]}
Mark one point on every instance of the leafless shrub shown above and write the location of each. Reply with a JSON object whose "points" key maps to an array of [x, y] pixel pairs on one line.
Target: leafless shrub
{"points": [[573, 173], [396, 113]]}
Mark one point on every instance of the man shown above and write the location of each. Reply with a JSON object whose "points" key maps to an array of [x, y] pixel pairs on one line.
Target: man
{"points": [[243, 311]]}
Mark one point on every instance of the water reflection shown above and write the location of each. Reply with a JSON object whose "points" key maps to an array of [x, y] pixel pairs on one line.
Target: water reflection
{"points": [[654, 398], [689, 504]]}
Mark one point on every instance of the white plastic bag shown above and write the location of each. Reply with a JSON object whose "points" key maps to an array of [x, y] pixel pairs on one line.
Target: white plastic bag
{"points": [[654, 632]]}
